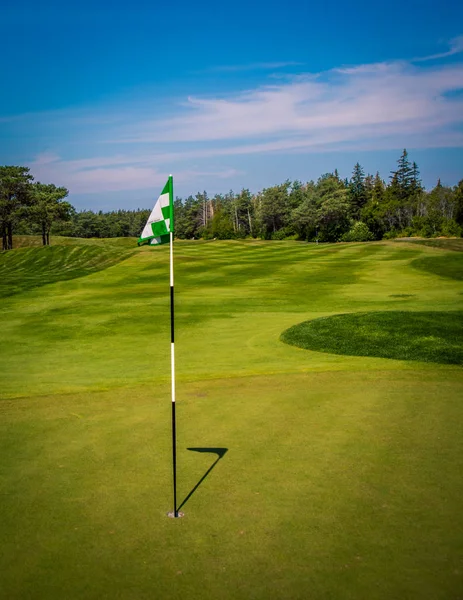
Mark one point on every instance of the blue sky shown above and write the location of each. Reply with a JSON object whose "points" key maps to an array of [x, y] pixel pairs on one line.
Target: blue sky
{"points": [[108, 98]]}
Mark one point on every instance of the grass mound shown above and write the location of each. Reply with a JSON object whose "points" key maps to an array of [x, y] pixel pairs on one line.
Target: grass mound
{"points": [[425, 336], [448, 265], [31, 267]]}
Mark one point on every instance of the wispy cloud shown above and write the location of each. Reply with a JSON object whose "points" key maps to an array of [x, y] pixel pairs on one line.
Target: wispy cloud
{"points": [[258, 66], [368, 100], [111, 174], [383, 105], [455, 47]]}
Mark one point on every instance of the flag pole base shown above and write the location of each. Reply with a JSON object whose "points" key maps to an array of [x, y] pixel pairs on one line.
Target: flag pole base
{"points": [[172, 515]]}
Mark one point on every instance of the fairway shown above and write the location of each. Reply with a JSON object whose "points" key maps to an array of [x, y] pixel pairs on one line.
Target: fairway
{"points": [[302, 473]]}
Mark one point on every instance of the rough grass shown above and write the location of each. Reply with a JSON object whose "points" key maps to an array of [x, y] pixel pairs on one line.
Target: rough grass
{"points": [[342, 476], [425, 336], [449, 265], [443, 243]]}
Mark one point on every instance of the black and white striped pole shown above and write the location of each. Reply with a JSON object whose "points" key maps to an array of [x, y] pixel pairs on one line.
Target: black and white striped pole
{"points": [[175, 513]]}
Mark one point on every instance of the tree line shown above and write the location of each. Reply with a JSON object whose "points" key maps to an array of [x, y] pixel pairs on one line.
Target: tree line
{"points": [[332, 209], [26, 203]]}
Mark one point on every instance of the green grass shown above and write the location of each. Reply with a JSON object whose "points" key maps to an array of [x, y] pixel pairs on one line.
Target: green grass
{"points": [[449, 265], [31, 266], [430, 336], [444, 243], [342, 476]]}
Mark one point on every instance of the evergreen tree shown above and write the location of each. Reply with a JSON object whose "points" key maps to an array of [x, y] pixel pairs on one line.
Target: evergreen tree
{"points": [[187, 215], [403, 194], [357, 192], [369, 184], [372, 213], [48, 207], [378, 188], [15, 197], [416, 185], [403, 179]]}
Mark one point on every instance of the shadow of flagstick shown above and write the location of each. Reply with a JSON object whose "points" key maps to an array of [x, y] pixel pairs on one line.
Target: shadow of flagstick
{"points": [[220, 453]]}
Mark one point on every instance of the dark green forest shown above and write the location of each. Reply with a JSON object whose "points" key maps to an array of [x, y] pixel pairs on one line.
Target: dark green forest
{"points": [[362, 208]]}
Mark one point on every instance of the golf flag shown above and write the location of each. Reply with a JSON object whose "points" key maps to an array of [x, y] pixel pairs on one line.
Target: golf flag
{"points": [[161, 220], [159, 229]]}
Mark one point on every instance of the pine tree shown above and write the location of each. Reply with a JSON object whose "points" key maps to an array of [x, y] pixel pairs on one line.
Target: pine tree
{"points": [[369, 183], [416, 179], [15, 196], [357, 191], [49, 206], [378, 188], [402, 180]]}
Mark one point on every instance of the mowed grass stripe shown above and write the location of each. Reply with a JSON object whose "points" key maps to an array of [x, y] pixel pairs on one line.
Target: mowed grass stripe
{"points": [[111, 328], [342, 474], [28, 268]]}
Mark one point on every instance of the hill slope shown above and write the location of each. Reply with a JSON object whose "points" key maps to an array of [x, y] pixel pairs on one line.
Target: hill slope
{"points": [[31, 266]]}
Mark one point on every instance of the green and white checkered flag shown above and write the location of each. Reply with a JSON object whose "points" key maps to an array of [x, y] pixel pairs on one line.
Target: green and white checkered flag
{"points": [[161, 220]]}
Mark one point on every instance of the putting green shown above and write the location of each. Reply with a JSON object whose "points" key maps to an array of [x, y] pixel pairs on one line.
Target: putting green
{"points": [[318, 475], [430, 336]]}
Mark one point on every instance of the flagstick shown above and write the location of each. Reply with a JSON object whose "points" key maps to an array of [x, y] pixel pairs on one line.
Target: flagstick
{"points": [[172, 360], [175, 513], [160, 222]]}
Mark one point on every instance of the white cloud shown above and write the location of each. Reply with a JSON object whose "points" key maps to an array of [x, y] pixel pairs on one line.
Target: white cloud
{"points": [[364, 99], [455, 47], [376, 106], [94, 175], [110, 174]]}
